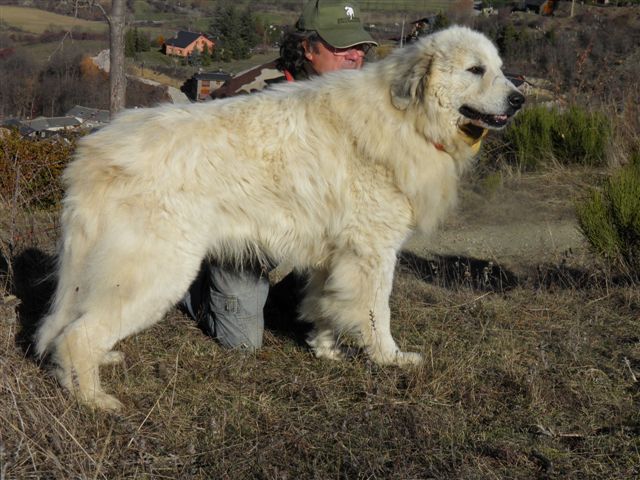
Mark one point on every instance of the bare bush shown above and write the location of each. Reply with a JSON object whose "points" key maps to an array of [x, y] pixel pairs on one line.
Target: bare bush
{"points": [[18, 76], [30, 192]]}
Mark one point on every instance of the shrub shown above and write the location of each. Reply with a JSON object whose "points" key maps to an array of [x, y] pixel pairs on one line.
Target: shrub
{"points": [[573, 136], [581, 137], [30, 171], [610, 218], [528, 139]]}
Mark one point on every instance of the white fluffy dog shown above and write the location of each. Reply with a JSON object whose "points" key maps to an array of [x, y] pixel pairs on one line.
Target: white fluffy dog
{"points": [[331, 175]]}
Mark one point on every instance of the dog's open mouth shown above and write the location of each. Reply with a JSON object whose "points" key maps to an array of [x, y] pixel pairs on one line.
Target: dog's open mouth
{"points": [[484, 119], [472, 132]]}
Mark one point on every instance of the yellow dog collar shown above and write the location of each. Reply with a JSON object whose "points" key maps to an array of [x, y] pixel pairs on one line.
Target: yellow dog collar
{"points": [[473, 135]]}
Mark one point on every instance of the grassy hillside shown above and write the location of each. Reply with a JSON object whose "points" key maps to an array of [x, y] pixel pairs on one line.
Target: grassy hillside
{"points": [[146, 7], [403, 5], [42, 52], [37, 21], [535, 381], [375, 11]]}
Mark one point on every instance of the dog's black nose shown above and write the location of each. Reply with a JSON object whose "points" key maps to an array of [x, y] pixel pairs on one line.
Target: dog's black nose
{"points": [[516, 99]]}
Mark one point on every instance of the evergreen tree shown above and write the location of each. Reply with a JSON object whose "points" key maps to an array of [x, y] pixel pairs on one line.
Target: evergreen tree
{"points": [[195, 57], [216, 55], [135, 41], [249, 29], [130, 43], [143, 44], [236, 29], [205, 57]]}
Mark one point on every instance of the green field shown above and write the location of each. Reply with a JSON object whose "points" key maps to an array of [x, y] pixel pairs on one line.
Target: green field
{"points": [[41, 52], [143, 7], [37, 21], [404, 6], [378, 11]]}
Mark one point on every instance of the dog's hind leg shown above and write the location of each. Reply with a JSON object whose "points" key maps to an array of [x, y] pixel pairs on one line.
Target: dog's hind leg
{"points": [[356, 299], [130, 295], [77, 353], [78, 239]]}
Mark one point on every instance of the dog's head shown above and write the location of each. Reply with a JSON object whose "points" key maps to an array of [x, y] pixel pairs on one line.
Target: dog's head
{"points": [[455, 76]]}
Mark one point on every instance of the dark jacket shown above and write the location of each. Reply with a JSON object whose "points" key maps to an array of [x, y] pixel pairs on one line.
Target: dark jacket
{"points": [[258, 78]]}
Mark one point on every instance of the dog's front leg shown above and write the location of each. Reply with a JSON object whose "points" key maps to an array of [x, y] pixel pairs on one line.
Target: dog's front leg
{"points": [[356, 299], [376, 331]]}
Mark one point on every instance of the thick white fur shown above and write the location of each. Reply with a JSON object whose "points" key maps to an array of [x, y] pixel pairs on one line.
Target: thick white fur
{"points": [[331, 175]]}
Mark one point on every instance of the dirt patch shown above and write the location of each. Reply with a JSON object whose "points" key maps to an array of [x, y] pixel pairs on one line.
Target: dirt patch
{"points": [[528, 221]]}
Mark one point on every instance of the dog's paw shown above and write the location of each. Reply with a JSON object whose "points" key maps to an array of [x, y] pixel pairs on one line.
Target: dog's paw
{"points": [[330, 353], [409, 358], [103, 401], [397, 357], [112, 357], [324, 345]]}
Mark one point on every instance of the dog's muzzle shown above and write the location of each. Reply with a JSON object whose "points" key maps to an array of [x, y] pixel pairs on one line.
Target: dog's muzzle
{"points": [[515, 100]]}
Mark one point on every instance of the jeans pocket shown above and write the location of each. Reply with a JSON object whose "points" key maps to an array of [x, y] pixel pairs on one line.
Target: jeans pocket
{"points": [[237, 324]]}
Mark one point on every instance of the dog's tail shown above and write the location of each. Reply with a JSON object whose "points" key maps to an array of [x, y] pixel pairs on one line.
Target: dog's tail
{"points": [[79, 233]]}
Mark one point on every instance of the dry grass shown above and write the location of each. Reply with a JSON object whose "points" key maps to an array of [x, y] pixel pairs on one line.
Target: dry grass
{"points": [[537, 381], [533, 378], [150, 74]]}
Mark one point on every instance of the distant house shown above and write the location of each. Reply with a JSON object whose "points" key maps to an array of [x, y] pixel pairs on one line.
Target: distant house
{"points": [[17, 124], [44, 127], [89, 117], [199, 87], [186, 42], [78, 118]]}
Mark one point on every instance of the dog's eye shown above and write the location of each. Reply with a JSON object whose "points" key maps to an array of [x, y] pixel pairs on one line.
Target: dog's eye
{"points": [[477, 70]]}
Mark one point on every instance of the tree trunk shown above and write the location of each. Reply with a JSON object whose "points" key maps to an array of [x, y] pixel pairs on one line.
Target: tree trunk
{"points": [[117, 77]]}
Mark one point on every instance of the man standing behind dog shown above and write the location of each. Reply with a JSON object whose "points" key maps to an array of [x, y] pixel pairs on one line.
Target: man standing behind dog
{"points": [[229, 302]]}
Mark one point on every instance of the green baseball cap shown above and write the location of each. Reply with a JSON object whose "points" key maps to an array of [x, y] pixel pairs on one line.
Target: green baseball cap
{"points": [[338, 23]]}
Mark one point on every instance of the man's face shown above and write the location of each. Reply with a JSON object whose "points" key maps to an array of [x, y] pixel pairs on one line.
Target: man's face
{"points": [[325, 58]]}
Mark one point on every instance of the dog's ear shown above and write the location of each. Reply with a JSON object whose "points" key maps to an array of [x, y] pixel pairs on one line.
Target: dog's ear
{"points": [[410, 82]]}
